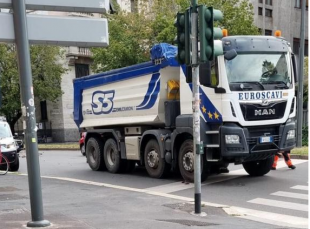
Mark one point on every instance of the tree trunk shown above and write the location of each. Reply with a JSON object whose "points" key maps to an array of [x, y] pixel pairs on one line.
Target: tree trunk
{"points": [[13, 120]]}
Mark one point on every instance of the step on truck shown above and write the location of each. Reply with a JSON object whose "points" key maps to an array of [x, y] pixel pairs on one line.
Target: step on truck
{"points": [[143, 113]]}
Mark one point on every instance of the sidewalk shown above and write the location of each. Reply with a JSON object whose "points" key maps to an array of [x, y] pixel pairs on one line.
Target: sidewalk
{"points": [[72, 205]]}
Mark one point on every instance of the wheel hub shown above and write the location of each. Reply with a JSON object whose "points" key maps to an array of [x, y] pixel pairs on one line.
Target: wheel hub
{"points": [[153, 159], [188, 161], [111, 157]]}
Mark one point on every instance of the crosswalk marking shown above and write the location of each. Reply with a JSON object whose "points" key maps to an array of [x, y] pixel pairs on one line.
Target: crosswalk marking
{"points": [[280, 204], [268, 217], [291, 195], [300, 187]]}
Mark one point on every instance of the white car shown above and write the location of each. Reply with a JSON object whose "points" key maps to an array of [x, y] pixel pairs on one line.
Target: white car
{"points": [[8, 145]]}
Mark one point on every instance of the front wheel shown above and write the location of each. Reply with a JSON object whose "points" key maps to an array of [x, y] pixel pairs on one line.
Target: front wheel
{"points": [[15, 165], [186, 162], [258, 168]]}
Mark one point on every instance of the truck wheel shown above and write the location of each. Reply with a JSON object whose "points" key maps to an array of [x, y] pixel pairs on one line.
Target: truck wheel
{"points": [[112, 157], [186, 162], [94, 155], [154, 164], [15, 165], [258, 168]]}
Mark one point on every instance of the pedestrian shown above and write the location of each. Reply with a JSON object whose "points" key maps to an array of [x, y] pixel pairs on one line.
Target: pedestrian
{"points": [[287, 158]]}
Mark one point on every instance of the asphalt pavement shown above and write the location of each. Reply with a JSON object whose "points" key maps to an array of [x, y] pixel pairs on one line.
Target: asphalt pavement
{"points": [[76, 197]]}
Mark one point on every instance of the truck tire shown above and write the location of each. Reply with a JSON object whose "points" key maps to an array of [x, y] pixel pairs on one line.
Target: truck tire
{"points": [[186, 162], [15, 165], [258, 168], [154, 164], [112, 157], [94, 154]]}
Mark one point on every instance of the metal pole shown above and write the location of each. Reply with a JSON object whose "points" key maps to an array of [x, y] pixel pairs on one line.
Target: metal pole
{"points": [[301, 76], [196, 99], [28, 111]]}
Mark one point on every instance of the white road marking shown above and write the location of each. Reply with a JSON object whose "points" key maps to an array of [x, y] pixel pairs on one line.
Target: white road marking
{"points": [[291, 195], [268, 217], [179, 186], [300, 187], [280, 204]]}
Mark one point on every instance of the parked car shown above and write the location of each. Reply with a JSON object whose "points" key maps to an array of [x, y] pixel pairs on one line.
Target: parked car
{"points": [[8, 145], [19, 144], [82, 145]]}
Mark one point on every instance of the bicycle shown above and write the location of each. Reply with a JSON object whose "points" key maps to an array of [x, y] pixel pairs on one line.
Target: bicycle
{"points": [[4, 164]]}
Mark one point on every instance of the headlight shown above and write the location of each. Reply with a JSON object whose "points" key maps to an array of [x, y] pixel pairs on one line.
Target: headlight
{"points": [[10, 146], [232, 139], [290, 134]]}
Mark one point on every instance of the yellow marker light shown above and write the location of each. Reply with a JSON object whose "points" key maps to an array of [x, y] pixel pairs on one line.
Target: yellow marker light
{"points": [[225, 32], [173, 90], [278, 33]]}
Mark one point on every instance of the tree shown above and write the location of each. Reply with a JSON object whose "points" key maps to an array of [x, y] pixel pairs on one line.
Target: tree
{"points": [[133, 34], [46, 72]]}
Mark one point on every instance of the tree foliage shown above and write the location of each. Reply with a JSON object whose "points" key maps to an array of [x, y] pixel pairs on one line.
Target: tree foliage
{"points": [[46, 72], [133, 34]]}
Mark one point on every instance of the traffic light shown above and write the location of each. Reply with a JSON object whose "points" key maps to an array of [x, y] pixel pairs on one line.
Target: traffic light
{"points": [[207, 33], [183, 37]]}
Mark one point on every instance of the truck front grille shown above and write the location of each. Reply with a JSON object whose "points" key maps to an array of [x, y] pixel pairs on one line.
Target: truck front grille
{"points": [[255, 112]]}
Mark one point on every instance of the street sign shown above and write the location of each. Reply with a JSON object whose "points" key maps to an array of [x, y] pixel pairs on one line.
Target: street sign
{"points": [[61, 31], [85, 6]]}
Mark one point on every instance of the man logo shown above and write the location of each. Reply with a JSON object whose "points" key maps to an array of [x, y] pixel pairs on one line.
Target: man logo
{"points": [[262, 112], [265, 103]]}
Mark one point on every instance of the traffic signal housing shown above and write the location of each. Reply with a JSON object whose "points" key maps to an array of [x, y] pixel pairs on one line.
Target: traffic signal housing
{"points": [[207, 33], [183, 37]]}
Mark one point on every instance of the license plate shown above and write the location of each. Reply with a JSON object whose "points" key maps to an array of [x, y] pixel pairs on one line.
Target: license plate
{"points": [[265, 139]]}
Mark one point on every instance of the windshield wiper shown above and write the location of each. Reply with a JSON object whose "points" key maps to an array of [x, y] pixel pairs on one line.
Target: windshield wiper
{"points": [[252, 82], [284, 85]]}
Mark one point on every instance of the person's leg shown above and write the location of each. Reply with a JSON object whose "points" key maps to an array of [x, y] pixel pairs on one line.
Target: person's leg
{"points": [[276, 158], [287, 158]]}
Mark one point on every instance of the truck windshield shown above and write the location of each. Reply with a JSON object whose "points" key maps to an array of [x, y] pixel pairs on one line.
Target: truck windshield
{"points": [[5, 130], [263, 68]]}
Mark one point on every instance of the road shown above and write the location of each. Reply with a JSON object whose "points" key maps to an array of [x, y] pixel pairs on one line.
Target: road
{"points": [[280, 197]]}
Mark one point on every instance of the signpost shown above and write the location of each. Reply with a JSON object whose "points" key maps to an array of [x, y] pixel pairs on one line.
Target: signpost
{"points": [[22, 30]]}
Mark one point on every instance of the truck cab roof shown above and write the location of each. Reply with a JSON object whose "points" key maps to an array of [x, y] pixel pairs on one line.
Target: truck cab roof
{"points": [[255, 44]]}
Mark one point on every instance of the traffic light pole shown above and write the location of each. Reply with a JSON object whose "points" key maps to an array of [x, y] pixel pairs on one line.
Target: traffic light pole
{"points": [[196, 106], [28, 111], [301, 76]]}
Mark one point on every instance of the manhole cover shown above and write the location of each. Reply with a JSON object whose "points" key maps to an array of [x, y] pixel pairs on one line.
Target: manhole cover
{"points": [[8, 189], [5, 197], [188, 222]]}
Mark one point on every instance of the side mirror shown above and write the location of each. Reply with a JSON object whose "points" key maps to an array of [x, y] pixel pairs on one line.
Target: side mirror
{"points": [[294, 61], [205, 74], [230, 55]]}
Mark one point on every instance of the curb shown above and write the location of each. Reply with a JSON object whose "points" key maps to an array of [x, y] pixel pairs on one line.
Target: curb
{"points": [[295, 156], [57, 149]]}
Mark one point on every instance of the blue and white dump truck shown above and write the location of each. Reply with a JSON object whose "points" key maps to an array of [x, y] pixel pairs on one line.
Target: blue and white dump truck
{"points": [[143, 113]]}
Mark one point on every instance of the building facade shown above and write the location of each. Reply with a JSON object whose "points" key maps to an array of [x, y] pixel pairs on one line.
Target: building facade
{"points": [[284, 15]]}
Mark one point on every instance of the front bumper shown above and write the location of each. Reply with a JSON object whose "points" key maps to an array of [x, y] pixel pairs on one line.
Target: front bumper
{"points": [[11, 156], [250, 147]]}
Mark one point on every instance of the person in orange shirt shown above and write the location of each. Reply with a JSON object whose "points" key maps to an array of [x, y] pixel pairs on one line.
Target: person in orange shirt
{"points": [[286, 155]]}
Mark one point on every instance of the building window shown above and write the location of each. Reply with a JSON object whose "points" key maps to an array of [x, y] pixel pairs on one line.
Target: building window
{"points": [[268, 13], [268, 32], [260, 11], [296, 46], [43, 111], [81, 70], [269, 2], [260, 1], [298, 4]]}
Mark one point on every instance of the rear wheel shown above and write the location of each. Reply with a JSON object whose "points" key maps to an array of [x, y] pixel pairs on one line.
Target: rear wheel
{"points": [[154, 164], [187, 162], [94, 148], [258, 168], [112, 157]]}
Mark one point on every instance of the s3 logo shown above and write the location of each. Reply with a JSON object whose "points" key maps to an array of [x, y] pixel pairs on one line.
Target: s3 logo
{"points": [[102, 102]]}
